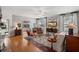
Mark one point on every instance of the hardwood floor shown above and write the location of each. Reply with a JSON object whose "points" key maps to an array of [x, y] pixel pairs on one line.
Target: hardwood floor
{"points": [[17, 44]]}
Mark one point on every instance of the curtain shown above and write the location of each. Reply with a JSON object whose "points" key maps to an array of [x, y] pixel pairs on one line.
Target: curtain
{"points": [[75, 19], [61, 23]]}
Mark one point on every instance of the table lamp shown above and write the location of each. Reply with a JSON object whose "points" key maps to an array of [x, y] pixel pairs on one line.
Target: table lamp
{"points": [[71, 26]]}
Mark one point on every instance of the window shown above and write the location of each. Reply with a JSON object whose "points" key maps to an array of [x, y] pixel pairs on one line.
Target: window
{"points": [[67, 19]]}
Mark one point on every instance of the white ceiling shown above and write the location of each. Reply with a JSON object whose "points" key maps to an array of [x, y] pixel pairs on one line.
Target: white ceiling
{"points": [[37, 11]]}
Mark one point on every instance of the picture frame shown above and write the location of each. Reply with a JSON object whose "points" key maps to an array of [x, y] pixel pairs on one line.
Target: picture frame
{"points": [[52, 24]]}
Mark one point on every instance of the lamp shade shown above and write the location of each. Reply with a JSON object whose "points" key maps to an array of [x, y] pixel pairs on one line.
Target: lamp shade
{"points": [[71, 25]]}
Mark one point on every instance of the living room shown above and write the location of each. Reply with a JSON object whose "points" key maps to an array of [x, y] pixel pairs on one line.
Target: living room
{"points": [[39, 28]]}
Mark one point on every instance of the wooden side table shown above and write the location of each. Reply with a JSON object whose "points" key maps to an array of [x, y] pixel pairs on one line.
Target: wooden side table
{"points": [[72, 43]]}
